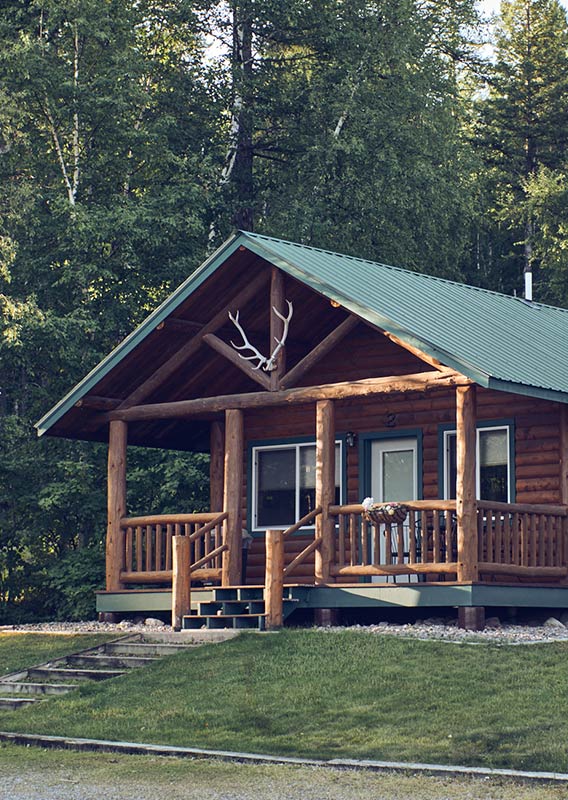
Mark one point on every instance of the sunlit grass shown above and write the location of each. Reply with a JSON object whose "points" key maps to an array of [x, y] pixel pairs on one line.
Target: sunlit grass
{"points": [[328, 695]]}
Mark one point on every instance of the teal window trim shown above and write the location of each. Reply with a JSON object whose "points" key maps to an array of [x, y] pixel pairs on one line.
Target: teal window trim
{"points": [[365, 442], [508, 422], [282, 442]]}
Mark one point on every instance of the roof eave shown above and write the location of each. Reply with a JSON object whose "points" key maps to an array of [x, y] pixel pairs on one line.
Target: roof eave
{"points": [[139, 334]]}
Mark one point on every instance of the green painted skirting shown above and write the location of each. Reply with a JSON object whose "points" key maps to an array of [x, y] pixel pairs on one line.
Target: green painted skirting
{"points": [[416, 595]]}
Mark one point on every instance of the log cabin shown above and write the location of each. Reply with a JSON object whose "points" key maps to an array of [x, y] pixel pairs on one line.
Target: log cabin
{"points": [[316, 380]]}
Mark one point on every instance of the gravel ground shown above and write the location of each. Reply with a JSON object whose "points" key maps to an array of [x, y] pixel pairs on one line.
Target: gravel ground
{"points": [[33, 774], [545, 630]]}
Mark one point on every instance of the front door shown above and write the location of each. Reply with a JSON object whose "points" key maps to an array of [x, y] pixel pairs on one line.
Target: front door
{"points": [[394, 478]]}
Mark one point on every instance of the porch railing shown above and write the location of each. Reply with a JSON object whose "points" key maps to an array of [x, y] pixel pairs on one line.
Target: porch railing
{"points": [[426, 542], [522, 540], [148, 546]]}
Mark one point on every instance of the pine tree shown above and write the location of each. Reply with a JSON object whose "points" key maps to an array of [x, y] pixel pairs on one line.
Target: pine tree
{"points": [[524, 122]]}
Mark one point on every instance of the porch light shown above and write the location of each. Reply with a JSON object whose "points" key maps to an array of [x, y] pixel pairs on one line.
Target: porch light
{"points": [[350, 439]]}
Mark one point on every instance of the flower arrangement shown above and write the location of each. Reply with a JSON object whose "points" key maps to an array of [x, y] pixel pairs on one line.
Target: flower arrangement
{"points": [[384, 513]]}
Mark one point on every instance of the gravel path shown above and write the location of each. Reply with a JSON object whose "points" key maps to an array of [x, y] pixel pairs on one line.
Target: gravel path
{"points": [[49, 775], [544, 630]]}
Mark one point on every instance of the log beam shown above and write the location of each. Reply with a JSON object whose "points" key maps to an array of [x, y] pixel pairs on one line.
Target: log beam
{"points": [[277, 299], [319, 351], [116, 504], [325, 487], [416, 382], [233, 489], [192, 346], [231, 355], [466, 503]]}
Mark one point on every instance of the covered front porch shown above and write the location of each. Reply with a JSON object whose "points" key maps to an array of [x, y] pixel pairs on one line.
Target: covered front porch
{"points": [[440, 554]]}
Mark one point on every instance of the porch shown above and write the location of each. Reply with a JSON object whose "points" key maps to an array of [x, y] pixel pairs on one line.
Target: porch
{"points": [[173, 563]]}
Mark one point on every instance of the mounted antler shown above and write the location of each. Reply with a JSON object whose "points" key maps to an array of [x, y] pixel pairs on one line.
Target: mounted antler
{"points": [[267, 364]]}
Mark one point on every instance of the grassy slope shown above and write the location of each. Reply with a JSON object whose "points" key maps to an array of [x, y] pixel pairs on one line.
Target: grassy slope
{"points": [[325, 695], [21, 650]]}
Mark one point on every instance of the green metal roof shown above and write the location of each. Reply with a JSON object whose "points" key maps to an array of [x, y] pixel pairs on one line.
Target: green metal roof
{"points": [[499, 341]]}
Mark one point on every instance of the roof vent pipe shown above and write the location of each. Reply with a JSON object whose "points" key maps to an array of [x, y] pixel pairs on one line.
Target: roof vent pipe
{"points": [[528, 285]]}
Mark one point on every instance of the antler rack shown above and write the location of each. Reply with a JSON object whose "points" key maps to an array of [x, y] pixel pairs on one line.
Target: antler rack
{"points": [[267, 364]]}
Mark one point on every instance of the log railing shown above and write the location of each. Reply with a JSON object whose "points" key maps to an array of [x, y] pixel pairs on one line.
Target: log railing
{"points": [[522, 540], [426, 542], [148, 548]]}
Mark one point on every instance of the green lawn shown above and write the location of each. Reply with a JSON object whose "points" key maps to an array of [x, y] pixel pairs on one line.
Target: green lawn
{"points": [[335, 695], [21, 650]]}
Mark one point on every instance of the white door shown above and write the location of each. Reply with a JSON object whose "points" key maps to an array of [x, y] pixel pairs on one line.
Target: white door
{"points": [[394, 478]]}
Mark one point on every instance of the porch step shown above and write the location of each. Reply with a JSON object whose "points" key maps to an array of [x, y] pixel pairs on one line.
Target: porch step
{"points": [[235, 621], [113, 662], [146, 649], [35, 689], [109, 660], [13, 703], [63, 673]]}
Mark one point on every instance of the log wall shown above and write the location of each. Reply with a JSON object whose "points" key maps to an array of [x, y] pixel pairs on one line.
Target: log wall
{"points": [[537, 446]]}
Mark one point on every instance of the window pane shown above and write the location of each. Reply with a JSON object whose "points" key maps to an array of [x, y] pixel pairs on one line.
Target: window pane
{"points": [[493, 460], [398, 475], [308, 478], [276, 493], [452, 466]]}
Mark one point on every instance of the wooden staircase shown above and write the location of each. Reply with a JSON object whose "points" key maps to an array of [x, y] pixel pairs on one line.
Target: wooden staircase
{"points": [[239, 608], [109, 660]]}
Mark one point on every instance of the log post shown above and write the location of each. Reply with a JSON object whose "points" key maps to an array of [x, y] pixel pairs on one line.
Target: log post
{"points": [[276, 325], [181, 581], [325, 487], [116, 503], [216, 467], [232, 496], [466, 503], [274, 579]]}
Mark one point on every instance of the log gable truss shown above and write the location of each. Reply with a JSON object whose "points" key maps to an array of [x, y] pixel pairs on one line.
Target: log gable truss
{"points": [[280, 387]]}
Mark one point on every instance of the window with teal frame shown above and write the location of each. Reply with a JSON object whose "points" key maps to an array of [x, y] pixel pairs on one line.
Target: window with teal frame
{"points": [[494, 463], [284, 483]]}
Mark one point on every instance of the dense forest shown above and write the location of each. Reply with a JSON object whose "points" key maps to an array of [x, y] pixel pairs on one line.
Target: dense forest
{"points": [[136, 135]]}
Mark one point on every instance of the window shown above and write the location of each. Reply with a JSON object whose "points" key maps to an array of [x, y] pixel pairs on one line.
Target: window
{"points": [[284, 483], [493, 464]]}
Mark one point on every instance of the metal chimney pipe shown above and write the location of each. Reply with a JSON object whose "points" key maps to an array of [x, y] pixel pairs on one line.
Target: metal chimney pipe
{"points": [[528, 285]]}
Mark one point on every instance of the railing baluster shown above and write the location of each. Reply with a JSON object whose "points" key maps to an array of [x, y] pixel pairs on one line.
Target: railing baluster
{"points": [[128, 548], [139, 548], [424, 532], [148, 548], [482, 549], [525, 540], [412, 536], [516, 535], [364, 558], [353, 532], [449, 545], [159, 565], [436, 535], [541, 541], [169, 531], [341, 540]]}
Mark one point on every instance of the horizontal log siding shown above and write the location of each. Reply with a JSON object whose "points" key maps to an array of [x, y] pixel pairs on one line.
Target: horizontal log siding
{"points": [[537, 469]]}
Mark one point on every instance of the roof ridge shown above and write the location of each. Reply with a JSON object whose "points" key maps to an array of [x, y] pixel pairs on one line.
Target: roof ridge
{"points": [[426, 275]]}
